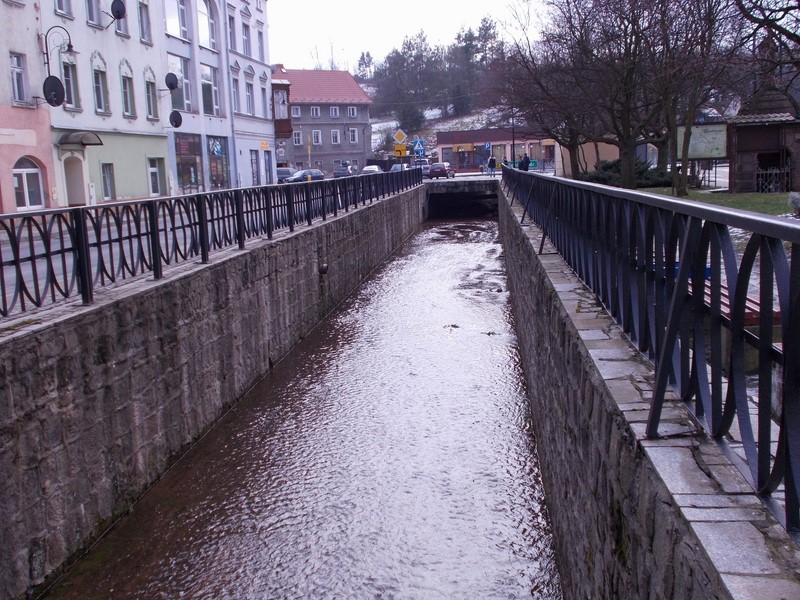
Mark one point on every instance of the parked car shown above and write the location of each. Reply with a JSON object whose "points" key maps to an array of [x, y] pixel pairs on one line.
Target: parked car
{"points": [[305, 175], [344, 171], [424, 164], [441, 169], [399, 167], [284, 173], [371, 170]]}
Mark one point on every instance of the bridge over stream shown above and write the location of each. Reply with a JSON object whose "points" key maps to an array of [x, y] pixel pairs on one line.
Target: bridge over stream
{"points": [[669, 469]]}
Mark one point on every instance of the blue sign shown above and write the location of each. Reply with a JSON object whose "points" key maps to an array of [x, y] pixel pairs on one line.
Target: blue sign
{"points": [[419, 147], [488, 146]]}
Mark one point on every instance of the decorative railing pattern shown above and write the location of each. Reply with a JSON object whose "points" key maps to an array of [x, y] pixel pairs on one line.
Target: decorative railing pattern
{"points": [[51, 256], [709, 295]]}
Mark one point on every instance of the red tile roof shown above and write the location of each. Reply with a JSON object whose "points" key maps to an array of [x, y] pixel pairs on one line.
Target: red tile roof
{"points": [[324, 87]]}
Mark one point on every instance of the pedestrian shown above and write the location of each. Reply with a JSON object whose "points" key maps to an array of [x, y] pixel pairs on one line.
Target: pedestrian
{"points": [[492, 165], [525, 162], [505, 161]]}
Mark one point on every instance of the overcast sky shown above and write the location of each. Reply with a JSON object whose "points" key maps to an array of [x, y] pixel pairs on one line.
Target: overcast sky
{"points": [[305, 33]]}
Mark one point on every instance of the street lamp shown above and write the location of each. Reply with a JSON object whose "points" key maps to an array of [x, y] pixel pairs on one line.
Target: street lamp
{"points": [[53, 88], [513, 138]]}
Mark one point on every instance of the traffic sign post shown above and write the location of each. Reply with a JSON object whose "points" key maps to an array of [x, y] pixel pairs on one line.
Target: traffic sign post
{"points": [[419, 147]]}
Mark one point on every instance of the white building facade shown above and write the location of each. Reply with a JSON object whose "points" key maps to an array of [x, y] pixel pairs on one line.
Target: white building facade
{"points": [[219, 53], [173, 98], [108, 136]]}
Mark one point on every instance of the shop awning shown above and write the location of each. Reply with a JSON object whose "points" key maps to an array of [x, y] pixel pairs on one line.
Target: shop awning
{"points": [[82, 138]]}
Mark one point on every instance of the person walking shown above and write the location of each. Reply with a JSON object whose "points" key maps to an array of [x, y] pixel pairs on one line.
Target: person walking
{"points": [[492, 165], [525, 162]]}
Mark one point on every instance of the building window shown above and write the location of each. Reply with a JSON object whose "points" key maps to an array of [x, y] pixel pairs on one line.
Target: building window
{"points": [[334, 136], [93, 12], [182, 95], [19, 88], [151, 99], [145, 33], [71, 97], [316, 137], [261, 52], [155, 167], [64, 7], [100, 92], [246, 39], [27, 184], [175, 14], [264, 102], [334, 112], [297, 138], [121, 26], [218, 162], [128, 101], [232, 32], [109, 193], [206, 25], [250, 98], [235, 93], [260, 5], [209, 84], [254, 167], [280, 107], [352, 112], [315, 111], [295, 112], [353, 133]]}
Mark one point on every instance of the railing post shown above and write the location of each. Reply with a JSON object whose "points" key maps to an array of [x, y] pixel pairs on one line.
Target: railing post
{"points": [[290, 206], [309, 203], [155, 242], [270, 222], [238, 201], [82, 262], [202, 220]]}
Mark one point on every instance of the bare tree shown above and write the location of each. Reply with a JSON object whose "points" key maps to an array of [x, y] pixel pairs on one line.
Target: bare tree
{"points": [[693, 53], [781, 18]]}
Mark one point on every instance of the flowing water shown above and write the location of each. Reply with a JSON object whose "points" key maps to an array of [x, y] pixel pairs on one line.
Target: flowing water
{"points": [[390, 455]]}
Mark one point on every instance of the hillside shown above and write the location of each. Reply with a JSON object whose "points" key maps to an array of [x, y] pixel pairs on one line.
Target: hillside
{"points": [[434, 123]]}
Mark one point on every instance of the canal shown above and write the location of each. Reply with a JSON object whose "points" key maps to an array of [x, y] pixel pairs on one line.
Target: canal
{"points": [[389, 455]]}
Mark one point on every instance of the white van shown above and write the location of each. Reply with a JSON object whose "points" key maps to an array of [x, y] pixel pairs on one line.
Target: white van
{"points": [[424, 164]]}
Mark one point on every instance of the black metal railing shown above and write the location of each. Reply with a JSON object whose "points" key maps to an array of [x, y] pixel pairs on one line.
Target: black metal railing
{"points": [[710, 295], [55, 255]]}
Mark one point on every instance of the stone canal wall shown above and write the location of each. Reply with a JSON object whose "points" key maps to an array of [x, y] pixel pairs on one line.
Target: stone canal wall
{"points": [[98, 401], [632, 518]]}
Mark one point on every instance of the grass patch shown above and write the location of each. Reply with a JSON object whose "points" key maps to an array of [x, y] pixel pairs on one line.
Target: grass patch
{"points": [[770, 204]]}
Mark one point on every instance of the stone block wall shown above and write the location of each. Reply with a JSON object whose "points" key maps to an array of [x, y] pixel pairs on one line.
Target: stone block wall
{"points": [[98, 401], [632, 517]]}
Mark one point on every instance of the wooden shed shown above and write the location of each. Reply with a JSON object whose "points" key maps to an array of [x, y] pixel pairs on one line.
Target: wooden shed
{"points": [[764, 144]]}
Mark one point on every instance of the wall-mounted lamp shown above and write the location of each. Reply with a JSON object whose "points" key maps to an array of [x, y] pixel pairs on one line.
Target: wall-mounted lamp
{"points": [[53, 88]]}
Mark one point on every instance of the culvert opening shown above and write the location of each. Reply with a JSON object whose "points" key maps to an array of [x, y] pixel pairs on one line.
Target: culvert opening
{"points": [[462, 204]]}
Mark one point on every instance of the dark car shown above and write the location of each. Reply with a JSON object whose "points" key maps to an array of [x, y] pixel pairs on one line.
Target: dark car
{"points": [[284, 173], [306, 175], [344, 171], [442, 169]]}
